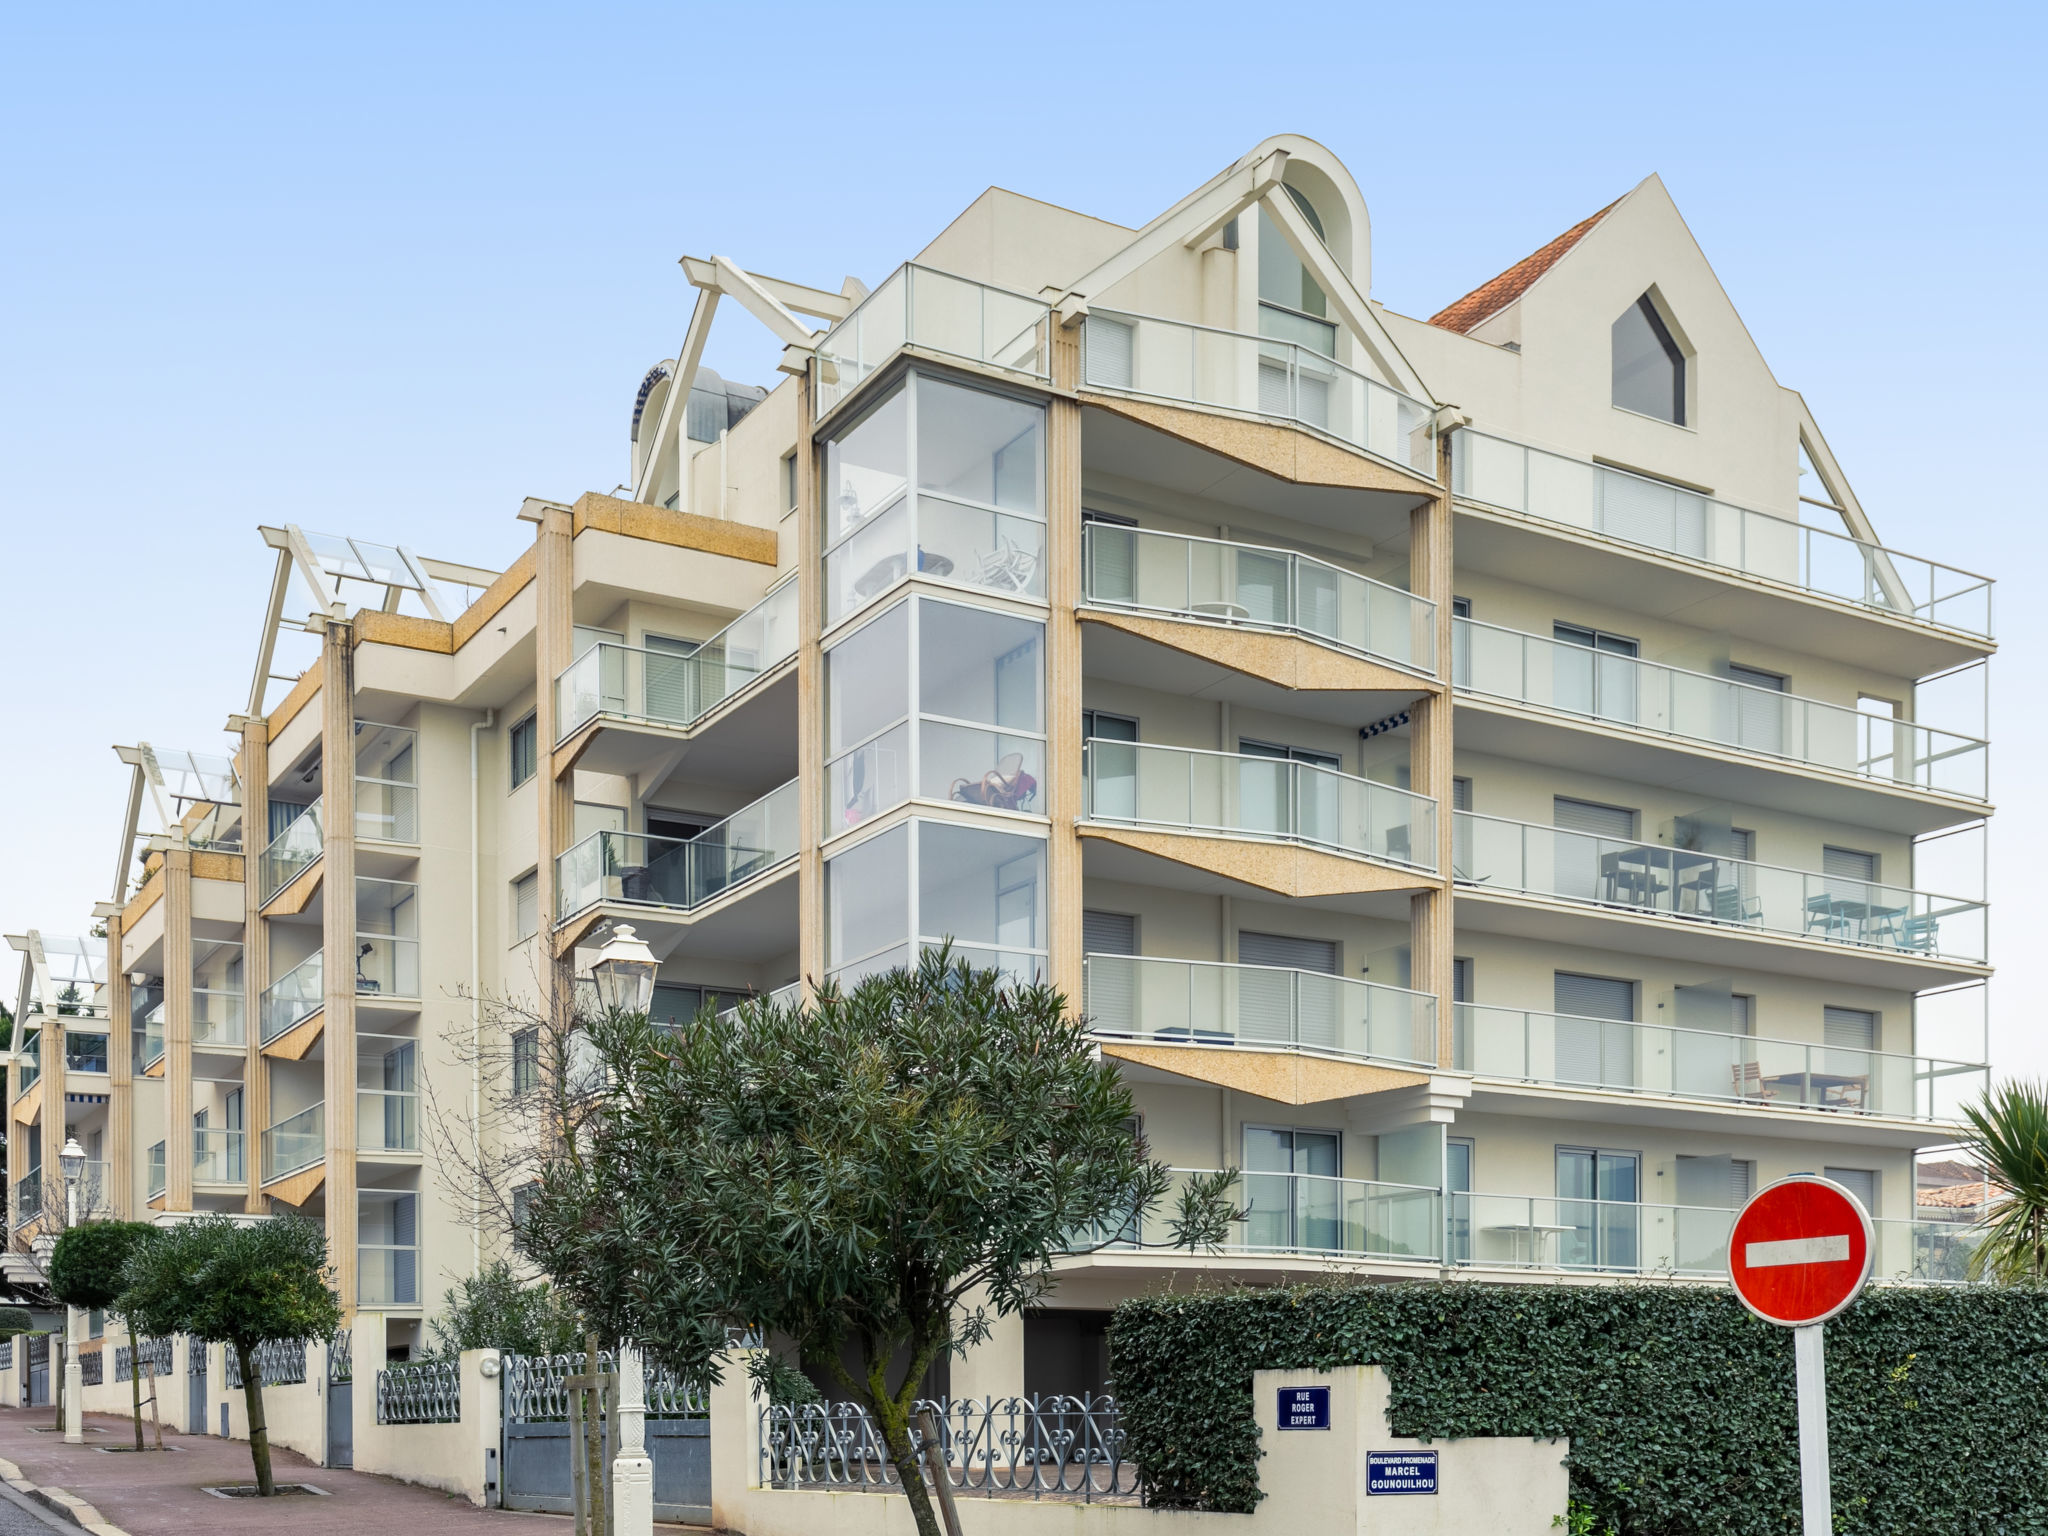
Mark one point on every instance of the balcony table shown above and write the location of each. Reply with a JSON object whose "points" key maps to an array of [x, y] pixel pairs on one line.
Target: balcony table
{"points": [[1536, 1233]]}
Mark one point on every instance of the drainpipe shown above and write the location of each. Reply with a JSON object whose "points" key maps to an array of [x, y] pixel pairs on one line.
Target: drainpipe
{"points": [[476, 1005]]}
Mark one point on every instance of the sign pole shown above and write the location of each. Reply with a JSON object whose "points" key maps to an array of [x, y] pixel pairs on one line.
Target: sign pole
{"points": [[1816, 1500]]}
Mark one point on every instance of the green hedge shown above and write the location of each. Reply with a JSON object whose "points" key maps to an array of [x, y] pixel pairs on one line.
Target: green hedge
{"points": [[1677, 1402]]}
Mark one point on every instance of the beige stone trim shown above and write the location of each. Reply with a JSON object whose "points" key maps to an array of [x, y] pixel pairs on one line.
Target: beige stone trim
{"points": [[1284, 1077], [683, 530], [1289, 453], [1287, 661], [147, 897], [1285, 869], [207, 865], [293, 1044], [298, 891], [500, 592], [297, 1189], [302, 691]]}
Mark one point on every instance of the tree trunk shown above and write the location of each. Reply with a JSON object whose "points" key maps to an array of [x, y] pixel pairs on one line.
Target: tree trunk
{"points": [[593, 1444], [156, 1419], [259, 1432], [135, 1382], [896, 1436]]}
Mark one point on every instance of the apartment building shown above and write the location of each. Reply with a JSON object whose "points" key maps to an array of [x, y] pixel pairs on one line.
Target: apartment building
{"points": [[1484, 775]]}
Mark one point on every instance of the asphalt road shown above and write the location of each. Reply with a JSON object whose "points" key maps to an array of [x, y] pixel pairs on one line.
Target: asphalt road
{"points": [[16, 1518]]}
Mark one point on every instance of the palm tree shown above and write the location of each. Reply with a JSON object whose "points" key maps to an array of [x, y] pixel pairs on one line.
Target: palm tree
{"points": [[2008, 1138]]}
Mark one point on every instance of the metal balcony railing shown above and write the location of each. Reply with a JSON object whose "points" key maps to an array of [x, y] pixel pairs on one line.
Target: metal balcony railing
{"points": [[1251, 586], [1647, 696]]}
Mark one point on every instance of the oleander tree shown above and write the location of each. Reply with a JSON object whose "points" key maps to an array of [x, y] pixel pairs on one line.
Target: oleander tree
{"points": [[2008, 1139], [88, 1269], [238, 1284], [872, 1177]]}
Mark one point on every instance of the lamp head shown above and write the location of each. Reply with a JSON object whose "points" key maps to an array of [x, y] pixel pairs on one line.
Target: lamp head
{"points": [[624, 972]]}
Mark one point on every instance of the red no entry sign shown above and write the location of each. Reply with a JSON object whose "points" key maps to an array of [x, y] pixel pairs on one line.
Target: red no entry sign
{"points": [[1801, 1251]]}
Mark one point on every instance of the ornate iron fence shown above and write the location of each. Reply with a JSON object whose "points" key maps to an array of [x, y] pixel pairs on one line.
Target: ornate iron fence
{"points": [[279, 1361], [155, 1352], [534, 1393], [1065, 1447], [341, 1360], [425, 1392], [92, 1367], [7, 1353]]}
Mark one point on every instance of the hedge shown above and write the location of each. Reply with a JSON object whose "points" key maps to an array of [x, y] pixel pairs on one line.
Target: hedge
{"points": [[1677, 1402]]}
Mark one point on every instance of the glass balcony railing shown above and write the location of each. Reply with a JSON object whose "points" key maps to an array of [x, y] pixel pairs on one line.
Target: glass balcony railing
{"points": [[1732, 894], [387, 783], [217, 1156], [290, 852], [218, 1017], [156, 1170], [1616, 1056], [1623, 1237], [668, 687], [1268, 798], [1638, 695], [387, 1275], [1258, 375], [153, 1036], [1284, 1213], [1656, 515], [681, 873], [44, 1189], [85, 1053], [298, 1141], [1252, 587], [935, 312], [28, 1197], [387, 1121], [294, 997], [1257, 1007], [31, 1062]]}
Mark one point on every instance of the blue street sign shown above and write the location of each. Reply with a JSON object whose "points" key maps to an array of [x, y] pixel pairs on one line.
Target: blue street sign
{"points": [[1304, 1408], [1400, 1472]]}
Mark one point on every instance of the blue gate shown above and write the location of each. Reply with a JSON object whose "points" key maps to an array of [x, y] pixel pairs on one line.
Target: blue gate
{"points": [[535, 1473], [341, 1402]]}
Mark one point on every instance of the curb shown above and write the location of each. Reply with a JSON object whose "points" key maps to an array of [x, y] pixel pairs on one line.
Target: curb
{"points": [[68, 1505]]}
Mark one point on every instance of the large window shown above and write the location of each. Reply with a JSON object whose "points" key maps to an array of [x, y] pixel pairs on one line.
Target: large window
{"points": [[941, 480], [1292, 307], [925, 882], [525, 755], [1649, 368], [938, 700]]}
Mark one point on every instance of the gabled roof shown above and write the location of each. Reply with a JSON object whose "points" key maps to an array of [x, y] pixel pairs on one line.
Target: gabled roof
{"points": [[1490, 298]]}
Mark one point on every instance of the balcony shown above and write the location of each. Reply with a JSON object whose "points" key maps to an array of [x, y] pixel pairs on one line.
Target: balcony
{"points": [[680, 874], [1623, 1237], [1289, 1214], [1657, 1061], [218, 1018], [298, 1141], [218, 1156], [44, 1189], [1248, 586], [387, 940], [292, 851], [387, 1120], [667, 688], [1655, 515], [28, 1197], [153, 1037], [1239, 795], [294, 997], [939, 313], [85, 1053], [29, 1062], [387, 784], [1624, 692], [1721, 897], [1258, 1008], [1212, 369]]}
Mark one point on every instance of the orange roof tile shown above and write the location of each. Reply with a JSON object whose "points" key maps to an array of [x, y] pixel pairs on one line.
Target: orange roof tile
{"points": [[1490, 298]]}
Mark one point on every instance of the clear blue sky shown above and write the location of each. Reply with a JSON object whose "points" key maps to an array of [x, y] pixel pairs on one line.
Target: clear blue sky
{"points": [[388, 269]]}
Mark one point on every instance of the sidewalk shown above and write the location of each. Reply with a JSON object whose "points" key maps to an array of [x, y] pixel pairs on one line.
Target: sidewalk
{"points": [[157, 1495]]}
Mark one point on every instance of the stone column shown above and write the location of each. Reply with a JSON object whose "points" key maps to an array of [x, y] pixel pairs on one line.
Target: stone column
{"points": [[554, 637], [177, 901], [338, 945], [1065, 789], [119, 1180], [255, 949], [813, 819], [632, 1468], [1433, 934]]}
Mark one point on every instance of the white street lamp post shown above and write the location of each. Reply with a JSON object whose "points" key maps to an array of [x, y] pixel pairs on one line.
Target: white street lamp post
{"points": [[72, 1158], [624, 972]]}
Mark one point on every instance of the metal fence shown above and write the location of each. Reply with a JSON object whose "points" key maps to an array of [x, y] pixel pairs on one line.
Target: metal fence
{"points": [[278, 1361], [425, 1392], [7, 1353], [155, 1353], [1063, 1447], [341, 1362], [535, 1394], [92, 1367]]}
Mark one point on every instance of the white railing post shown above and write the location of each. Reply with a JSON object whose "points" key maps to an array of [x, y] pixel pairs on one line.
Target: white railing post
{"points": [[632, 1468]]}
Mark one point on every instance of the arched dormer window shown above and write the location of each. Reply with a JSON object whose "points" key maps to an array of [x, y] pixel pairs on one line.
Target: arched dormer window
{"points": [[1649, 365], [1292, 307]]}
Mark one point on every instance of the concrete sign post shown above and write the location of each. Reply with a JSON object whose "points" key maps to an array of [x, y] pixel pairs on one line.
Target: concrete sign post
{"points": [[1800, 1252]]}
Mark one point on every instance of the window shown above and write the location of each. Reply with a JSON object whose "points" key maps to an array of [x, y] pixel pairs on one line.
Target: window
{"points": [[1860, 1182], [1292, 306], [526, 905], [1595, 1043], [522, 1203], [1850, 1028], [1597, 1191], [1292, 1191], [1649, 368], [525, 1060], [524, 739], [920, 884], [1602, 683], [789, 480]]}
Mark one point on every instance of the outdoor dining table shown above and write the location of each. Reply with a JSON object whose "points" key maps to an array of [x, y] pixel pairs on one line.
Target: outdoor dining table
{"points": [[1863, 921], [1638, 876]]}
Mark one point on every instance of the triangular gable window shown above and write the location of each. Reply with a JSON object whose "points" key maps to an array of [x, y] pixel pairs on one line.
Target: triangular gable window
{"points": [[1649, 367]]}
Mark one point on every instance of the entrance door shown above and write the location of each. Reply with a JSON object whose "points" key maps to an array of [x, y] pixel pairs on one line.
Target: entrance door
{"points": [[195, 1386], [1597, 1195], [1292, 1189]]}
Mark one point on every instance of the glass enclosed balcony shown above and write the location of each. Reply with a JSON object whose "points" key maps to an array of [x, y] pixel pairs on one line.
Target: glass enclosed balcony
{"points": [[1623, 1237], [292, 850], [1271, 799], [677, 688], [1257, 375], [387, 1249], [1626, 691], [1616, 1056], [217, 1156], [1656, 515], [1302, 1213], [681, 873], [387, 938], [85, 1053], [1734, 894], [295, 1142], [293, 998], [1249, 586], [387, 784], [218, 1018], [935, 312], [1257, 1007]]}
